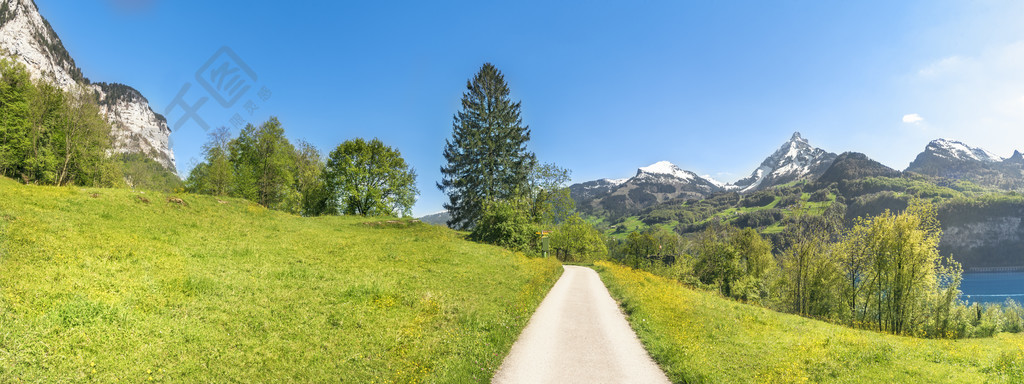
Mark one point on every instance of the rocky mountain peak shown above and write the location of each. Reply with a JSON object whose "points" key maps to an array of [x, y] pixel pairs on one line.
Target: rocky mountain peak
{"points": [[26, 37], [796, 159], [1016, 158]]}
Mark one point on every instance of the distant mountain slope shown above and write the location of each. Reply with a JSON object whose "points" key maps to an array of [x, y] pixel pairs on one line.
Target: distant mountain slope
{"points": [[594, 189], [852, 166], [440, 218], [656, 183], [795, 160], [26, 37], [956, 160]]}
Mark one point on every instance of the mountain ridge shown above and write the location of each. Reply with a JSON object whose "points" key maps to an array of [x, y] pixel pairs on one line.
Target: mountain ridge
{"points": [[955, 160], [28, 38], [795, 160]]}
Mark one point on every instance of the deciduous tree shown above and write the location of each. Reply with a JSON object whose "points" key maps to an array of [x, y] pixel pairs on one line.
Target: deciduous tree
{"points": [[370, 178]]}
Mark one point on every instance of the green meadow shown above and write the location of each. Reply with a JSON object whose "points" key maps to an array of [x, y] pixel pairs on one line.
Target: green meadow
{"points": [[109, 285], [699, 337]]}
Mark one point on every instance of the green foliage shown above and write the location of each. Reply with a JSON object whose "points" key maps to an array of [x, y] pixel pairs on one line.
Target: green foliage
{"points": [[264, 157], [551, 201], [113, 289], [735, 261], [48, 136], [142, 172], [505, 223], [639, 246], [370, 178], [310, 181], [216, 175], [809, 270], [15, 124], [576, 241], [263, 166], [486, 158], [904, 268], [758, 199], [650, 247]]}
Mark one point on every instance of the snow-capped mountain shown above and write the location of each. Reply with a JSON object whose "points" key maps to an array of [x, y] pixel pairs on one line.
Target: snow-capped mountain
{"points": [[795, 160], [956, 150], [26, 37], [594, 189], [668, 173], [956, 160], [664, 169], [655, 183]]}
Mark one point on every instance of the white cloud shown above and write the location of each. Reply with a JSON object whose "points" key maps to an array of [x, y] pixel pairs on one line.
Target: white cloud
{"points": [[912, 118], [976, 98], [944, 66]]}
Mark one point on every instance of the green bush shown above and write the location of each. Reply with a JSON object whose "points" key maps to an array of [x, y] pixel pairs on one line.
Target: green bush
{"points": [[505, 223]]}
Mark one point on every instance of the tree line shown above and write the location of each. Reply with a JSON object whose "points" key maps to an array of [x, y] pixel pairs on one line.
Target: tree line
{"points": [[882, 273], [360, 177]]}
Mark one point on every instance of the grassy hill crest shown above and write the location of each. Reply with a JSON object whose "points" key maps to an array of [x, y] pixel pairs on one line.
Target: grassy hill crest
{"points": [[111, 285]]}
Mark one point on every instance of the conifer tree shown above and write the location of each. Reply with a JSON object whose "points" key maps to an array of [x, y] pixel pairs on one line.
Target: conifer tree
{"points": [[487, 158]]}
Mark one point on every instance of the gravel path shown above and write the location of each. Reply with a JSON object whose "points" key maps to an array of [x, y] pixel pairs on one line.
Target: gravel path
{"points": [[578, 335]]}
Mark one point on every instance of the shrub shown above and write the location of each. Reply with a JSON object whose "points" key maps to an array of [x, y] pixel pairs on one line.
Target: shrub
{"points": [[1013, 317], [504, 223]]}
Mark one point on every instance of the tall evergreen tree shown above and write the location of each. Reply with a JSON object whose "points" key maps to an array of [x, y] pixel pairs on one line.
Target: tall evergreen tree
{"points": [[487, 158]]}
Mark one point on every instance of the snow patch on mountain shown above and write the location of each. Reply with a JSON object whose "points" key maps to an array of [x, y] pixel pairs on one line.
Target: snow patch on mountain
{"points": [[666, 168], [758, 177], [956, 150], [719, 184]]}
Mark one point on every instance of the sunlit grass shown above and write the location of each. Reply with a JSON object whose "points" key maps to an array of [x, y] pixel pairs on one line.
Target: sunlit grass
{"points": [[700, 337], [98, 285]]}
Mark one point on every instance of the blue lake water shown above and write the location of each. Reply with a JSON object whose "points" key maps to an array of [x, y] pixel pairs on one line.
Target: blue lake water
{"points": [[992, 287]]}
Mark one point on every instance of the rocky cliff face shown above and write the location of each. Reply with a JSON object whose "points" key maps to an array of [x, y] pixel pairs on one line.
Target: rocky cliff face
{"points": [[989, 242], [26, 37]]}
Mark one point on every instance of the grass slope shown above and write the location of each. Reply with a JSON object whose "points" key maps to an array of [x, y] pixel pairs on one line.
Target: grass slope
{"points": [[699, 337], [100, 286]]}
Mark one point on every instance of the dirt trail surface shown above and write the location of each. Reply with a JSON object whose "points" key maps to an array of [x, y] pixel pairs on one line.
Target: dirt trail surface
{"points": [[578, 335]]}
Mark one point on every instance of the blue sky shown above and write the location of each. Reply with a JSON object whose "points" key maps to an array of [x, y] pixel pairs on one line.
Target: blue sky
{"points": [[606, 87]]}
